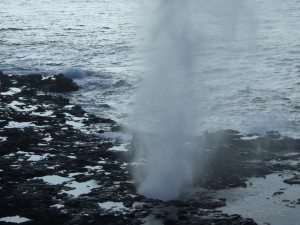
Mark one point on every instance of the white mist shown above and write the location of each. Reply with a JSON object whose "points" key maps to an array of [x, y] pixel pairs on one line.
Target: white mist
{"points": [[165, 105], [168, 104]]}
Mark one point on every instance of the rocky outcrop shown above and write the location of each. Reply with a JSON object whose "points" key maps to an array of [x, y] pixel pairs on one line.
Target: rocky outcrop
{"points": [[58, 166], [55, 83]]}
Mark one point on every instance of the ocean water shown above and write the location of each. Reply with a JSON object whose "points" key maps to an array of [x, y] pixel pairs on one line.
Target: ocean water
{"points": [[248, 71]]}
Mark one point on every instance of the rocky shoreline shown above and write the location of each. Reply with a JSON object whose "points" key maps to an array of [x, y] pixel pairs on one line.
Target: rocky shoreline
{"points": [[59, 166]]}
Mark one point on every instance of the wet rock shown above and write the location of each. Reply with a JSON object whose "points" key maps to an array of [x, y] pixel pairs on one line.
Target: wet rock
{"points": [[207, 203], [62, 84], [31, 155], [28, 92], [56, 83], [184, 217], [42, 145], [169, 221], [277, 193], [293, 180]]}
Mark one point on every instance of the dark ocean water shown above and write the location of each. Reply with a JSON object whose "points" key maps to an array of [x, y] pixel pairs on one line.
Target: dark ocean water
{"points": [[249, 73]]}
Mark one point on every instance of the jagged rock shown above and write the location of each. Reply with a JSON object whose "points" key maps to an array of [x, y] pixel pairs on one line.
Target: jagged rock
{"points": [[43, 141], [61, 84], [56, 83], [293, 180], [277, 193]]}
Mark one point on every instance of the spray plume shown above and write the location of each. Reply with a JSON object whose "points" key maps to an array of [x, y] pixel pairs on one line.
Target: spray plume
{"points": [[167, 107], [164, 108]]}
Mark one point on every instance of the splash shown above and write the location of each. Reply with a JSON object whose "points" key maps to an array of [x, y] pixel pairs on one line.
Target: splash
{"points": [[168, 105], [165, 105]]}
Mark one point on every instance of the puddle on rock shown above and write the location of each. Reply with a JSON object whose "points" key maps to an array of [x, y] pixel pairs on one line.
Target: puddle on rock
{"points": [[267, 200]]}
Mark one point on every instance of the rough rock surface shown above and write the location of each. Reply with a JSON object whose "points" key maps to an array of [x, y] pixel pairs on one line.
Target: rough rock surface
{"points": [[56, 83], [58, 166]]}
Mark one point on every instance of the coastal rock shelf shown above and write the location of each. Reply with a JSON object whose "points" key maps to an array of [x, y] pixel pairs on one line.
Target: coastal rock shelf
{"points": [[54, 164], [57, 165]]}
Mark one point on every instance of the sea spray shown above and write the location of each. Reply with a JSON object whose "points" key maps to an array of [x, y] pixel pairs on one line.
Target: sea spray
{"points": [[171, 101], [165, 106]]}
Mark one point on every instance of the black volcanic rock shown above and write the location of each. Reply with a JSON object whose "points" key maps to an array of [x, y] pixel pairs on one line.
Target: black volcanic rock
{"points": [[293, 180], [225, 159], [60, 83], [41, 136], [48, 147], [55, 83]]}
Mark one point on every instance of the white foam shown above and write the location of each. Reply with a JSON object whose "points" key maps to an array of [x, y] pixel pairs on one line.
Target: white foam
{"points": [[69, 106], [54, 179], [113, 206], [68, 115], [72, 157], [46, 77], [124, 165], [58, 206], [75, 124], [3, 139], [34, 158], [48, 113], [15, 166], [14, 219], [120, 148], [40, 144], [48, 138], [13, 124], [74, 174], [98, 168], [11, 91], [9, 155], [52, 167], [250, 138], [15, 104], [46, 106], [81, 188], [24, 153], [74, 118]]}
